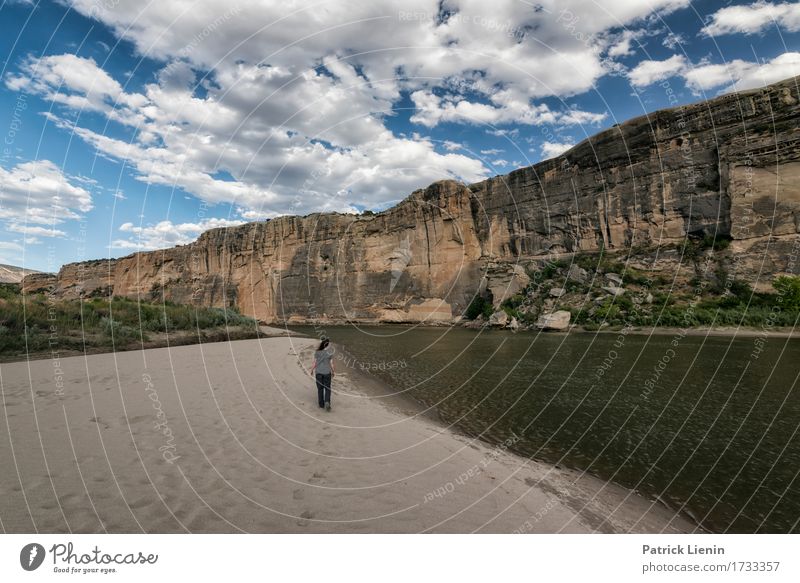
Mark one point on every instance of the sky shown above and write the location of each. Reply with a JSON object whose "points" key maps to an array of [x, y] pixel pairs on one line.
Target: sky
{"points": [[133, 125]]}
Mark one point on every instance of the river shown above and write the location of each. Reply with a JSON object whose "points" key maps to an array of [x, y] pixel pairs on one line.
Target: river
{"points": [[707, 425]]}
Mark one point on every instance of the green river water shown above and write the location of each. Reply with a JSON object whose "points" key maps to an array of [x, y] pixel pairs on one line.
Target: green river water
{"points": [[709, 426]]}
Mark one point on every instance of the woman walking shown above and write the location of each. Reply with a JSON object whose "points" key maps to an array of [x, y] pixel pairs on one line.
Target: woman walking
{"points": [[323, 366]]}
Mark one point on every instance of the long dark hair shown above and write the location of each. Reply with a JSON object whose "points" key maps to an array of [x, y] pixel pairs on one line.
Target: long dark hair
{"points": [[324, 344]]}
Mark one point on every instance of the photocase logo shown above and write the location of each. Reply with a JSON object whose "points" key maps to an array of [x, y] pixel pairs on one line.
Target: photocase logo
{"points": [[31, 556], [398, 260]]}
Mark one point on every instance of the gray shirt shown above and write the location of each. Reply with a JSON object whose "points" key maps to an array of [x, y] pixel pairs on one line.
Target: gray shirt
{"points": [[322, 358]]}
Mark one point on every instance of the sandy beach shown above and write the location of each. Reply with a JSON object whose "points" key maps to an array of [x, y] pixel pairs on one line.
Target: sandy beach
{"points": [[227, 437]]}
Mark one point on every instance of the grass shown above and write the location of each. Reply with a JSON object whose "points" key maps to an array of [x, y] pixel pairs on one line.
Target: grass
{"points": [[37, 323]]}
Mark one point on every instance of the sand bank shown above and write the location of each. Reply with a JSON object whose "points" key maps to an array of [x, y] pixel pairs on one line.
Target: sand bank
{"points": [[227, 437]]}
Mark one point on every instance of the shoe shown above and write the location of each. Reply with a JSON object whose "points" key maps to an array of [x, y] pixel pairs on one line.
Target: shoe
{"points": [[327, 406]]}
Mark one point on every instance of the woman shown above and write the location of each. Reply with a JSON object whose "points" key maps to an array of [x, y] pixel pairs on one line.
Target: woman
{"points": [[323, 366]]}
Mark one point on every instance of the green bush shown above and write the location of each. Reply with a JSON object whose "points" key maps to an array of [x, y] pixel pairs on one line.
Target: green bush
{"points": [[788, 289], [514, 301], [30, 320], [479, 306]]}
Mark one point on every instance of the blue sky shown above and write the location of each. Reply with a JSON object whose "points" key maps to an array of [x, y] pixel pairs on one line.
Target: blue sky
{"points": [[127, 126]]}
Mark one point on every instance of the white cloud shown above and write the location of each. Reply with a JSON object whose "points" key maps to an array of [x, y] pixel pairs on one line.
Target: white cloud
{"points": [[506, 108], [10, 246], [78, 83], [648, 72], [553, 149], [35, 231], [275, 157], [39, 192], [622, 45], [166, 233], [673, 40], [740, 75], [10, 253], [753, 18], [735, 75], [291, 105], [492, 152]]}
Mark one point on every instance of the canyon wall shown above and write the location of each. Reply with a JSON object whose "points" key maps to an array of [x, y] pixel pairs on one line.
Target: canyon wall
{"points": [[728, 167]]}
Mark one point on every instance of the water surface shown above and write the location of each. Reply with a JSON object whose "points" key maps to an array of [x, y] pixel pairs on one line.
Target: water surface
{"points": [[707, 425]]}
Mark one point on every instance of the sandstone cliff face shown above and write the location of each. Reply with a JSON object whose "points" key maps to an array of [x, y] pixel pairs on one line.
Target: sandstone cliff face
{"points": [[728, 167]]}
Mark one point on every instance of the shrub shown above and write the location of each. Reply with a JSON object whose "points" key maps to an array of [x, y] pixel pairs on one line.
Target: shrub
{"points": [[788, 288], [715, 242], [478, 307]]}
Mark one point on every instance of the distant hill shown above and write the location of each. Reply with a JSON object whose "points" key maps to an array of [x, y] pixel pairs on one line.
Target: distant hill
{"points": [[13, 274]]}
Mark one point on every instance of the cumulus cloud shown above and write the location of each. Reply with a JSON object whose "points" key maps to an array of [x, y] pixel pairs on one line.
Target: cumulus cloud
{"points": [[39, 192], [735, 75], [285, 110], [553, 149], [35, 231], [622, 46], [740, 75], [432, 110], [317, 142], [166, 233], [753, 18], [648, 72]]}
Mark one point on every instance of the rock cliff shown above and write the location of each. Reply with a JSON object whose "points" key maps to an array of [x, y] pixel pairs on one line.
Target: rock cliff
{"points": [[727, 167]]}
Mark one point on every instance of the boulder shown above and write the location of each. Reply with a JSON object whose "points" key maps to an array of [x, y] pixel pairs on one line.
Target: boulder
{"points": [[558, 320], [513, 324], [475, 324], [499, 318], [614, 291], [504, 280], [649, 298], [557, 292], [578, 274], [614, 278]]}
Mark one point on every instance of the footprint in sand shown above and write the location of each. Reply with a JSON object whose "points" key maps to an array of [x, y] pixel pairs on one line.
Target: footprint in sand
{"points": [[298, 494], [99, 421], [304, 518], [316, 477]]}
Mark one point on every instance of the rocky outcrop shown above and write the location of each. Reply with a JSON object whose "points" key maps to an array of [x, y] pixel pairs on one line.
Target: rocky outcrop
{"points": [[729, 167], [13, 274]]}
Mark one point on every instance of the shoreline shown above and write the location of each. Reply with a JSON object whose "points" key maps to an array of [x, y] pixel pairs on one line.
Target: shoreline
{"points": [[273, 330], [729, 331], [252, 452], [411, 407]]}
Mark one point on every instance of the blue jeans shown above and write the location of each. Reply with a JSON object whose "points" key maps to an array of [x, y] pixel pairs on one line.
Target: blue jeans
{"points": [[323, 388]]}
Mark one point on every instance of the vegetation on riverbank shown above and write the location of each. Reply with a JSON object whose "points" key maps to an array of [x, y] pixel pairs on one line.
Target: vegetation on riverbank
{"points": [[695, 289], [38, 323]]}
